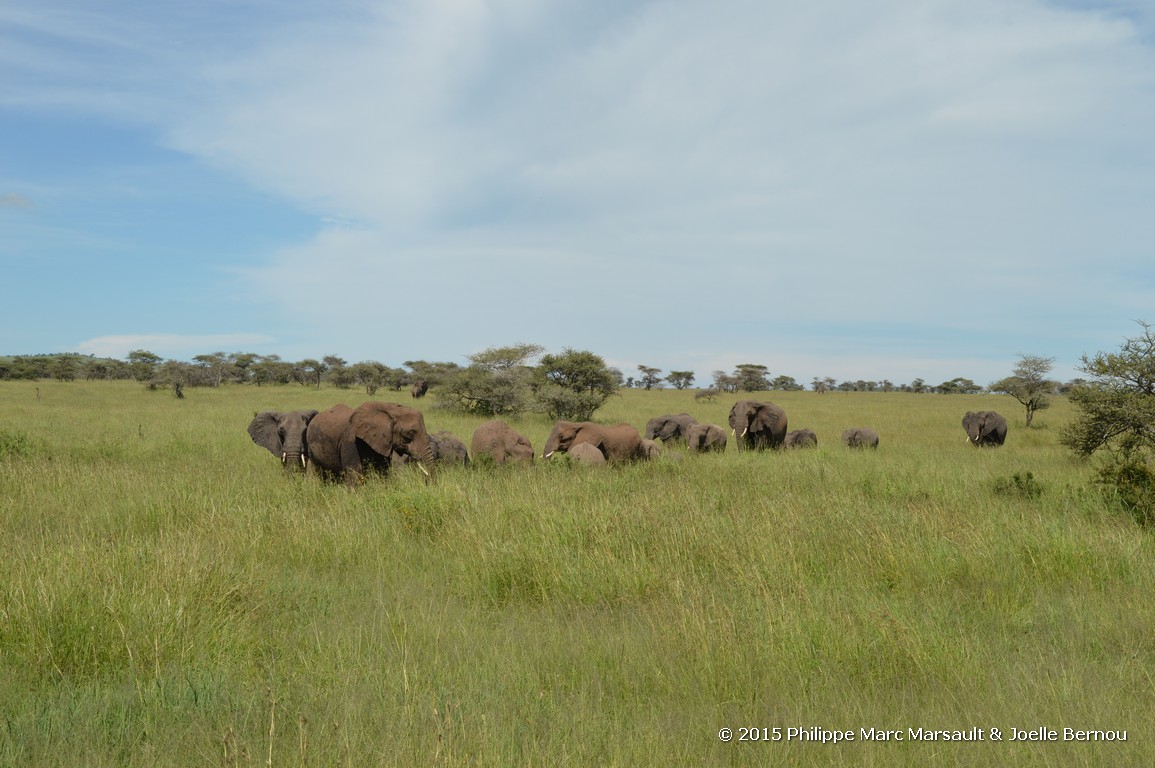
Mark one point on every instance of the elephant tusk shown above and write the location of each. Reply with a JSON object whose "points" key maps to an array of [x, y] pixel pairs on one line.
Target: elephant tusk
{"points": [[304, 461], [284, 456], [547, 455], [421, 466], [744, 431]]}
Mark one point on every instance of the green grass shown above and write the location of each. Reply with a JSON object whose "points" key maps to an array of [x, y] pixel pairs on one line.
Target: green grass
{"points": [[169, 597]]}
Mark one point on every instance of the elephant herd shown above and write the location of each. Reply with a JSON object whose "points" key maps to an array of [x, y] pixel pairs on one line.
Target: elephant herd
{"points": [[345, 443]]}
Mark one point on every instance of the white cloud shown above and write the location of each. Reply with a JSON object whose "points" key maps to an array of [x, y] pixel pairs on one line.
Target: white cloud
{"points": [[171, 345]]}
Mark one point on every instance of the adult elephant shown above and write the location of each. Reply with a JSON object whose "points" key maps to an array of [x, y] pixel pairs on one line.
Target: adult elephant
{"points": [[500, 443], [346, 441], [669, 427], [706, 437], [283, 433], [419, 388], [620, 442], [860, 437], [801, 438], [985, 428], [757, 425]]}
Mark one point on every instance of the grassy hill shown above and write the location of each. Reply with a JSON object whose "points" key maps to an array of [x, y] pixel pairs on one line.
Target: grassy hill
{"points": [[169, 597]]}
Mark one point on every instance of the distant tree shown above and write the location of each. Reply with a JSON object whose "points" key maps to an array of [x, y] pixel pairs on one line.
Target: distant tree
{"points": [[959, 386], [650, 378], [680, 379], [725, 382], [619, 377], [752, 377], [271, 369], [313, 370], [1029, 383], [434, 373], [369, 374], [785, 384], [821, 386], [1074, 383], [572, 385], [214, 367], [918, 386], [143, 364]]}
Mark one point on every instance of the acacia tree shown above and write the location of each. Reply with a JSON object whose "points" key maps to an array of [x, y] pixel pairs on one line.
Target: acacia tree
{"points": [[1116, 410], [573, 385], [650, 378], [496, 383], [680, 379], [752, 377], [1029, 383]]}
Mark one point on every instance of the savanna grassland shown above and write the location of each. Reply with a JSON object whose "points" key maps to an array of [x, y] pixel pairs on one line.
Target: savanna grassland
{"points": [[169, 597]]}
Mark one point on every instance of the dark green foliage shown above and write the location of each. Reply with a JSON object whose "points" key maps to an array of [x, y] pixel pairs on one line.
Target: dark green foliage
{"points": [[752, 377], [573, 385], [1116, 410], [1129, 479], [496, 383], [1022, 485], [1119, 403], [680, 379]]}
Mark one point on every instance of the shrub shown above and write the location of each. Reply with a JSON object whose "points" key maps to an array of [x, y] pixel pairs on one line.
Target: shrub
{"points": [[1020, 485]]}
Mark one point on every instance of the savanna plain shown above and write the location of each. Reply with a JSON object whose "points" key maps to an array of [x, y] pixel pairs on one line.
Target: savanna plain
{"points": [[169, 597]]}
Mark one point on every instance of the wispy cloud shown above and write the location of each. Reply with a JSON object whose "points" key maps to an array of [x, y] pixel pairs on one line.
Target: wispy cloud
{"points": [[15, 201], [171, 345]]}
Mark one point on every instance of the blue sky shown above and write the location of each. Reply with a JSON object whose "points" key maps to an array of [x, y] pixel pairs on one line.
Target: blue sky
{"points": [[857, 190]]}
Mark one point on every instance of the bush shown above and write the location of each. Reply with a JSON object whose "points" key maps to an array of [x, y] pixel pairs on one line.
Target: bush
{"points": [[1129, 479], [1020, 485]]}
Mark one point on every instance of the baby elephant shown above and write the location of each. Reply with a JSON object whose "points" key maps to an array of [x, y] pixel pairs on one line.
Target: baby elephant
{"points": [[860, 437], [586, 453], [804, 438], [706, 437]]}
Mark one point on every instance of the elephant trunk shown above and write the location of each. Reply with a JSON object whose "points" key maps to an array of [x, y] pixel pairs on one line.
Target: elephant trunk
{"points": [[425, 458]]}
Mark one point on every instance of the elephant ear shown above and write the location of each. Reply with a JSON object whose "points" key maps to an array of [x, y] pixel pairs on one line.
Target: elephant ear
{"points": [[307, 415], [767, 417], [265, 431], [373, 424]]}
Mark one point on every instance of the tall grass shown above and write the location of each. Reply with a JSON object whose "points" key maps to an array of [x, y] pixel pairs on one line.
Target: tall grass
{"points": [[169, 597]]}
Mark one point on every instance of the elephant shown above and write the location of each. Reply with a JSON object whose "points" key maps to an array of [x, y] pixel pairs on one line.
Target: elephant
{"points": [[860, 437], [762, 425], [668, 427], [706, 437], [344, 441], [447, 449], [586, 453], [621, 442], [501, 444], [985, 428], [650, 448], [801, 438], [419, 388], [283, 433]]}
